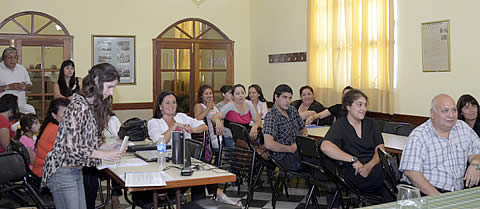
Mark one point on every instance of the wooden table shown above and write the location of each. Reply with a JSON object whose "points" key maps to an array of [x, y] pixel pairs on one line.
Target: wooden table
{"points": [[467, 198], [393, 143], [209, 174]]}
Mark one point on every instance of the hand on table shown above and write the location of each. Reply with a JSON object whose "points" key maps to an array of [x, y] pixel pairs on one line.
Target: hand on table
{"points": [[472, 176]]}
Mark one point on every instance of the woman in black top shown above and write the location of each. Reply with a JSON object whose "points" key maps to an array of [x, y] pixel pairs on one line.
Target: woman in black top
{"points": [[67, 83], [354, 139], [308, 106], [336, 110], [468, 109]]}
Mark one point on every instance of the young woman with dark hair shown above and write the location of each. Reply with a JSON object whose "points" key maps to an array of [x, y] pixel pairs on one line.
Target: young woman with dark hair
{"points": [[67, 83], [79, 139], [8, 111], [48, 133], [257, 100], [227, 94], [166, 119], [468, 109]]}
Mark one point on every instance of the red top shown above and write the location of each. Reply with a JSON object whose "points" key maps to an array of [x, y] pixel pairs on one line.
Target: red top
{"points": [[4, 123], [45, 144]]}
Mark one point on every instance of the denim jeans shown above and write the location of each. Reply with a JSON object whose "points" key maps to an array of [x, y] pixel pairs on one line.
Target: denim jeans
{"points": [[66, 185]]}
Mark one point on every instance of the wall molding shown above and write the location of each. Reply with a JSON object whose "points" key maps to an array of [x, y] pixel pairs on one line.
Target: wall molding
{"points": [[132, 106], [413, 119]]}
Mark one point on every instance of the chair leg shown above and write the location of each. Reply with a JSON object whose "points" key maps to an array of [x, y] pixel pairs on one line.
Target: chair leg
{"points": [[285, 185], [100, 190], [309, 196], [39, 202]]}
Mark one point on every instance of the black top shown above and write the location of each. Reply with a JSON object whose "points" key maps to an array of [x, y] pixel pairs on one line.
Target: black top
{"points": [[317, 107], [344, 136], [284, 131], [67, 92], [337, 111], [476, 127]]}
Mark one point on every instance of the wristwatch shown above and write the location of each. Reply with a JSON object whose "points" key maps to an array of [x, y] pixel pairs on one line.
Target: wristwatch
{"points": [[476, 165], [355, 159]]}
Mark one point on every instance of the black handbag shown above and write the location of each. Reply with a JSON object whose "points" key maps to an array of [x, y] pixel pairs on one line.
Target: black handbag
{"points": [[135, 128], [17, 146]]}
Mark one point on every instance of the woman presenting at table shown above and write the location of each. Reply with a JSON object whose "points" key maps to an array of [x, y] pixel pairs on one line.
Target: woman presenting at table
{"points": [[79, 138], [354, 139]]}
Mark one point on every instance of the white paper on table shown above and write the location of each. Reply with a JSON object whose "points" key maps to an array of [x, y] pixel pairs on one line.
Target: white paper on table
{"points": [[144, 179], [124, 163]]}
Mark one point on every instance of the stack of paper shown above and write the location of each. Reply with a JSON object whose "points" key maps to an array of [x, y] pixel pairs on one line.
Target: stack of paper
{"points": [[144, 179]]}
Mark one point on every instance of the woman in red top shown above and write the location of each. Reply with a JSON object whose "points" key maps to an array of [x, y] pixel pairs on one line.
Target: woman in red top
{"points": [[48, 133], [8, 110]]}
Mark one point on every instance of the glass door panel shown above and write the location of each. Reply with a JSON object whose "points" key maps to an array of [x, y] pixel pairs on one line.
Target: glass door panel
{"points": [[53, 57], [36, 78], [182, 81], [167, 59], [32, 57], [36, 102], [205, 59], [183, 59], [219, 79], [167, 81], [205, 79], [51, 77], [219, 59], [183, 102]]}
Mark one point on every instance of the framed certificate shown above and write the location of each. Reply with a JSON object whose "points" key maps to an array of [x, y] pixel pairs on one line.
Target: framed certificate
{"points": [[436, 46], [118, 51]]}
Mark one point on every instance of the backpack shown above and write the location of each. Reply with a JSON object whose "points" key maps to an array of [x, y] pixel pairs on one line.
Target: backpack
{"points": [[135, 128], [17, 146]]}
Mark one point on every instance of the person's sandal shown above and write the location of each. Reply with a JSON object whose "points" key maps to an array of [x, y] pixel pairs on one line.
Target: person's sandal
{"points": [[225, 199]]}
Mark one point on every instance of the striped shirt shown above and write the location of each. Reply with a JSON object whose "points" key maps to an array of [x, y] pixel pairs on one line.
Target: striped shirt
{"points": [[442, 161]]}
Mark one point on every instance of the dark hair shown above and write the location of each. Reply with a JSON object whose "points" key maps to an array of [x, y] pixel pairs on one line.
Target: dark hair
{"points": [[306, 87], [347, 88], [93, 87], [8, 51], [64, 88], [237, 86], [26, 122], [464, 100], [351, 96], [201, 90], [259, 91], [53, 108], [226, 88], [158, 113], [280, 89], [9, 102]]}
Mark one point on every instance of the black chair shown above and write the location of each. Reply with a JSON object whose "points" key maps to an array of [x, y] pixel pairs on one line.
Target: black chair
{"points": [[309, 150], [405, 129], [392, 174], [398, 128], [14, 180]]}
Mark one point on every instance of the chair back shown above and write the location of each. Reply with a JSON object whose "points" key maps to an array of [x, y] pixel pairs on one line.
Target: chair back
{"points": [[405, 129], [390, 168], [307, 146], [16, 167]]}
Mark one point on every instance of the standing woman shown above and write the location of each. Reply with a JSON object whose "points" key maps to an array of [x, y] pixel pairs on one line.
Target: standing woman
{"points": [[468, 109], [67, 83], [258, 101], [8, 110], [79, 138]]}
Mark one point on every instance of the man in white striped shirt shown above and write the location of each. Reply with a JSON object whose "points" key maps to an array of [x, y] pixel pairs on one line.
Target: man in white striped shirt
{"points": [[436, 154]]}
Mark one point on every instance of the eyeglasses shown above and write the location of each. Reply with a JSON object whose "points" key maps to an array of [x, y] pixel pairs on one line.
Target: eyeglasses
{"points": [[12, 57]]}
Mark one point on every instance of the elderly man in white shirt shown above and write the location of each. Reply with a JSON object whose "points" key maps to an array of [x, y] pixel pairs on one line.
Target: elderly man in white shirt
{"points": [[14, 79]]}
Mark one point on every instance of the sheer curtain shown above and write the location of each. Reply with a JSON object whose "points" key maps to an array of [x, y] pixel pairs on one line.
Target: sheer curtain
{"points": [[349, 44]]}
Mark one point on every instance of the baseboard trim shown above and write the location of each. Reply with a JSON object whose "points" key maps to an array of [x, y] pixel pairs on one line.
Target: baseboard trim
{"points": [[132, 106]]}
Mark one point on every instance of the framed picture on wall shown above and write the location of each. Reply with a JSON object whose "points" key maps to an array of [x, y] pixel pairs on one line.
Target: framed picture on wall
{"points": [[436, 46], [118, 51]]}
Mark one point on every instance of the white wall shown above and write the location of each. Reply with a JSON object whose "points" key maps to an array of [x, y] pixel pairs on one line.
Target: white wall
{"points": [[278, 26], [145, 19], [416, 88]]}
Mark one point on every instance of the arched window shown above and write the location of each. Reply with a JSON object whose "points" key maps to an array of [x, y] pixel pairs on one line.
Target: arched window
{"points": [[190, 53], [43, 43]]}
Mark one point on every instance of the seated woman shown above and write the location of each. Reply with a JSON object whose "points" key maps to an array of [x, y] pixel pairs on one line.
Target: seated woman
{"points": [[227, 94], [206, 109], [48, 133], [67, 83], [166, 119], [354, 139], [257, 100], [336, 110], [468, 109], [8, 110], [239, 112], [307, 106]]}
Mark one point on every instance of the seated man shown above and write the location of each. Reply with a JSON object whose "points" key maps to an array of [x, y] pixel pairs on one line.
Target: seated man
{"points": [[280, 127], [436, 154]]}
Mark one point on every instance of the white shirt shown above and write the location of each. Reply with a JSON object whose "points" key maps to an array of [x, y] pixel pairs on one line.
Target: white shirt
{"points": [[112, 128], [157, 127], [18, 74], [262, 108]]}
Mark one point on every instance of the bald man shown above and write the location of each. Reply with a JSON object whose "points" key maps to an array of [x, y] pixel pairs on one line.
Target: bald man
{"points": [[436, 154]]}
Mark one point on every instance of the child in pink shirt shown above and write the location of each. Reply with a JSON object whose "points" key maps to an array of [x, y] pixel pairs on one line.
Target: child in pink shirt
{"points": [[30, 125]]}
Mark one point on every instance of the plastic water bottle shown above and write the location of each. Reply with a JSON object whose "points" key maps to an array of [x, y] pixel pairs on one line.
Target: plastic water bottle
{"points": [[161, 149]]}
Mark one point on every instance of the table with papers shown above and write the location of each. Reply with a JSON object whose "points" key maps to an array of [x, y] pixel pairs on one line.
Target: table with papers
{"points": [[140, 174], [393, 143]]}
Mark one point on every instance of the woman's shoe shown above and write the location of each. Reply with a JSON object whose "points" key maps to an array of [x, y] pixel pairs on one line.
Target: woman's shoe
{"points": [[225, 199]]}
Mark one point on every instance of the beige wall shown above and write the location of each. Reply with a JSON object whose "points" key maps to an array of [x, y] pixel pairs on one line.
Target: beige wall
{"points": [[278, 26], [145, 19], [416, 88]]}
